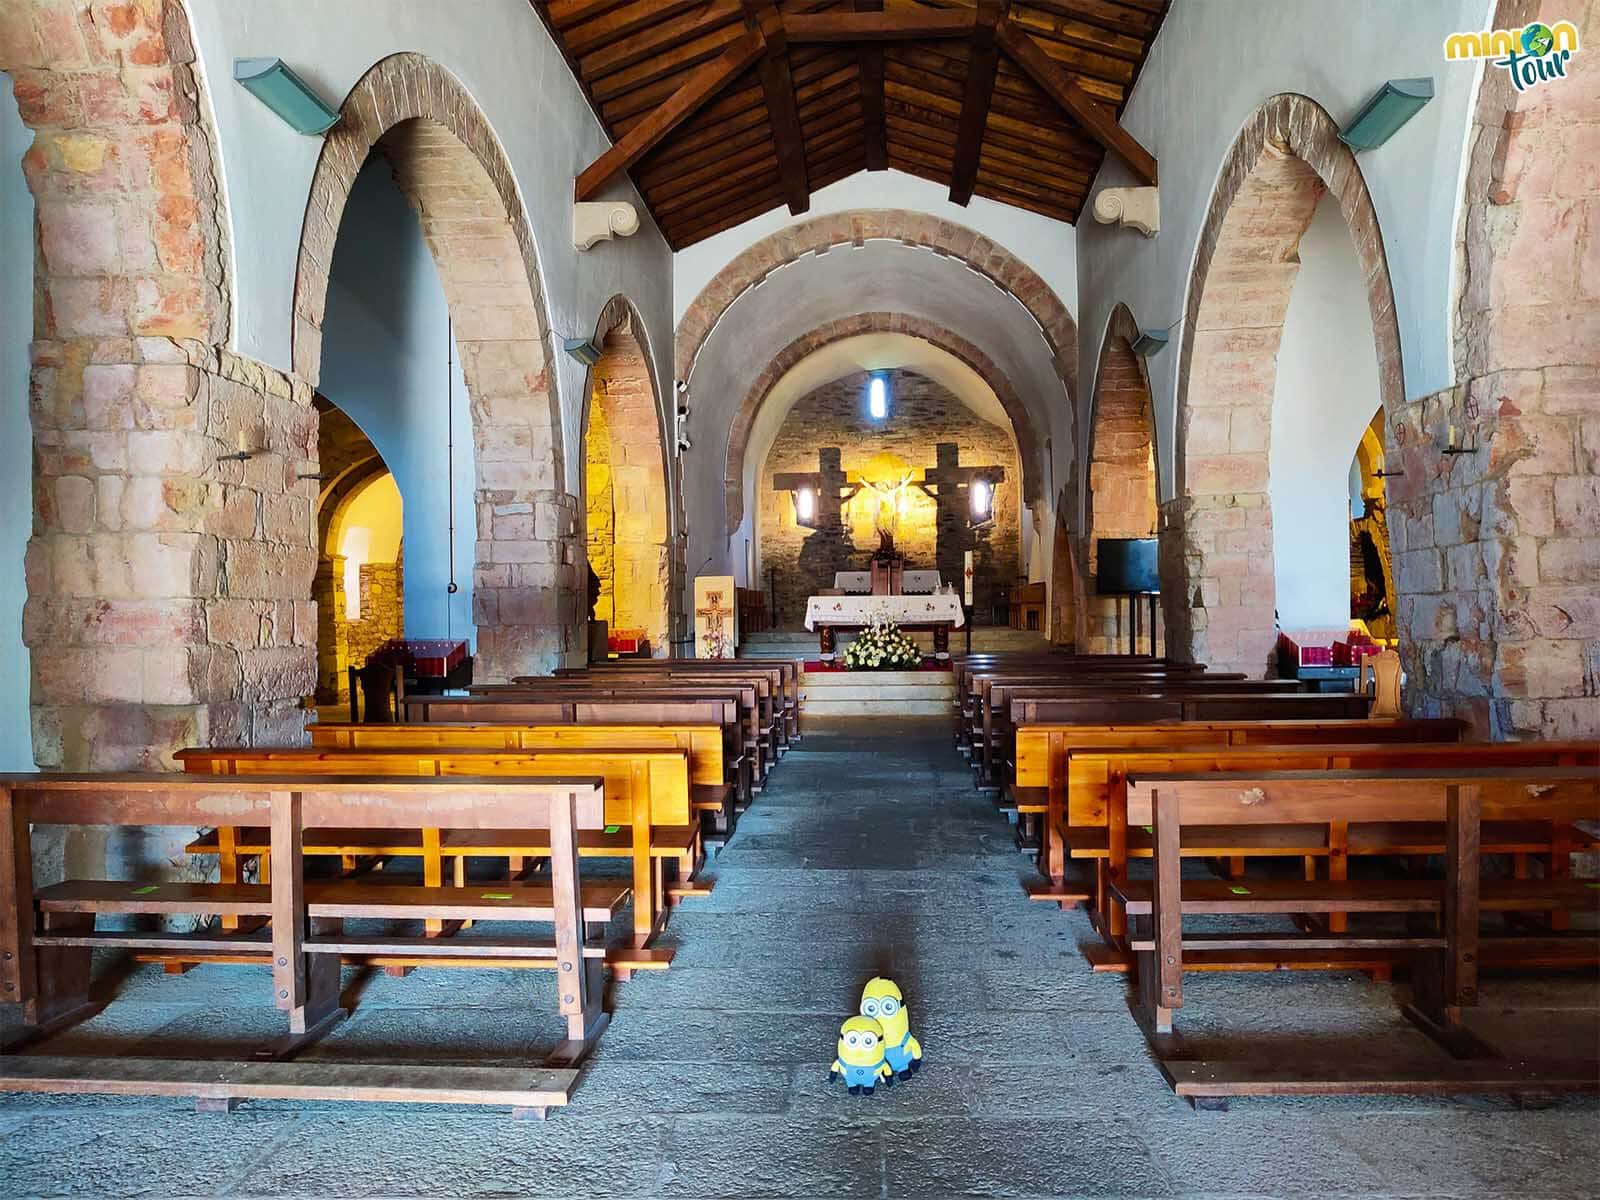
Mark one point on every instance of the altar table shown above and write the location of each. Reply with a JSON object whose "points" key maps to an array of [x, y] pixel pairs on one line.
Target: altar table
{"points": [[829, 615]]}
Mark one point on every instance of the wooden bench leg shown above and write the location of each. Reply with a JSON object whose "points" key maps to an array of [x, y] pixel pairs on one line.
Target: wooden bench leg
{"points": [[228, 866], [62, 976], [1338, 868], [305, 986]]}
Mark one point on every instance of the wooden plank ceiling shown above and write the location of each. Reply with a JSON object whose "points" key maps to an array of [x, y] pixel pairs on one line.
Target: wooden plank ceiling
{"points": [[723, 109]]}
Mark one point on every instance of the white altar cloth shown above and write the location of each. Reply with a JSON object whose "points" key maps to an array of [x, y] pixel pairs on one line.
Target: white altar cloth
{"points": [[864, 610]]}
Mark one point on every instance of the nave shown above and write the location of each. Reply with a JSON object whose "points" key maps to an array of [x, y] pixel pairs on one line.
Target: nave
{"points": [[869, 851]]}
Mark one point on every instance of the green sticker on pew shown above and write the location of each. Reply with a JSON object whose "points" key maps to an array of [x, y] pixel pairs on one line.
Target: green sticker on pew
{"points": [[613, 828], [1239, 891], [146, 890], [496, 896], [1149, 828], [1596, 886]]}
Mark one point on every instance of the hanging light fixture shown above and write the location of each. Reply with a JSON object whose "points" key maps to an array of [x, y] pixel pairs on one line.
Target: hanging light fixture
{"points": [[291, 98], [878, 397]]}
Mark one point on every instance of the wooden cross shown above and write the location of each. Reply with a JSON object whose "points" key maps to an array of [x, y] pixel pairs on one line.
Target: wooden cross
{"points": [[831, 486], [950, 485]]}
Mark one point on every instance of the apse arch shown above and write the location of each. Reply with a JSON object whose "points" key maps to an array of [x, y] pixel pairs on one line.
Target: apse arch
{"points": [[626, 496], [1216, 531], [739, 462], [452, 170]]}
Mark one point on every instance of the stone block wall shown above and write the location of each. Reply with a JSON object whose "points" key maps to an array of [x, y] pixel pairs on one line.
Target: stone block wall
{"points": [[922, 414], [1497, 551]]}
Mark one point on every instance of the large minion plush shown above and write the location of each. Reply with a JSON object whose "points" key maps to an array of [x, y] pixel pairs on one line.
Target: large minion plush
{"points": [[860, 1063], [881, 1001]]}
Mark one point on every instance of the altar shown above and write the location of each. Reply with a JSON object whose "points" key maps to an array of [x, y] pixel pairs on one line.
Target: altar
{"points": [[830, 615]]}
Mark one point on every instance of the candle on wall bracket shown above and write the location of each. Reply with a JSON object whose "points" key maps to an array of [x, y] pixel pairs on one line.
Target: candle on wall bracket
{"points": [[244, 452]]}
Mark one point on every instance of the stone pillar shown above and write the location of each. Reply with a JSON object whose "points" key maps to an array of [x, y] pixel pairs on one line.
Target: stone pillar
{"points": [[168, 584], [1497, 551]]}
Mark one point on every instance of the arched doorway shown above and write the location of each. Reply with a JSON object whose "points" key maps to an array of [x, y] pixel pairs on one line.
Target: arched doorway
{"points": [[1121, 496], [627, 518], [452, 171], [1218, 537]]}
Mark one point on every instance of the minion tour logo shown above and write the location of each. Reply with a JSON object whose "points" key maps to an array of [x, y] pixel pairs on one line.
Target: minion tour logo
{"points": [[1532, 54]]}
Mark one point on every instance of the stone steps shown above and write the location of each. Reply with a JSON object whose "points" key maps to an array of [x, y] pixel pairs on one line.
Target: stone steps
{"points": [[877, 693]]}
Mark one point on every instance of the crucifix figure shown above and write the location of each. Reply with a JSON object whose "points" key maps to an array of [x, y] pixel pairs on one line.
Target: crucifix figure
{"points": [[829, 486], [715, 640], [950, 484]]}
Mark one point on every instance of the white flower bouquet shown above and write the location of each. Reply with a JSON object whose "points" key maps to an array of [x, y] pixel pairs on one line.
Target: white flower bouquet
{"points": [[882, 646]]}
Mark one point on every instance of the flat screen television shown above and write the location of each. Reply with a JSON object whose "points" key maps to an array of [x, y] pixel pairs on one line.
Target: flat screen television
{"points": [[1127, 565]]}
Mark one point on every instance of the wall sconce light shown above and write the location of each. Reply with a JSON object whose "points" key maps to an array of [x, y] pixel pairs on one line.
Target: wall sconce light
{"points": [[270, 81], [1396, 103], [582, 349], [878, 397], [1452, 442], [1150, 341], [245, 451], [982, 501], [805, 508]]}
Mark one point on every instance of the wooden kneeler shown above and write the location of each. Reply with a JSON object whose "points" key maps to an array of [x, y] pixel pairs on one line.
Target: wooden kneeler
{"points": [[47, 936]]}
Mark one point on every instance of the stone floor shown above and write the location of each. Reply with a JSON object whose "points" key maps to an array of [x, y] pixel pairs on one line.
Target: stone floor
{"points": [[870, 852]]}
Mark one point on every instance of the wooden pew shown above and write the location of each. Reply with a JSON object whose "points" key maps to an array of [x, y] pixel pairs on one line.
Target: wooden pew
{"points": [[746, 705], [1095, 825], [789, 671], [1446, 962], [48, 934], [714, 784], [1042, 782], [646, 809], [997, 694], [514, 709], [768, 681]]}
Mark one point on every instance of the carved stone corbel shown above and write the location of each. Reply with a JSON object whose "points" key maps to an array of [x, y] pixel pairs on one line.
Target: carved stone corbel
{"points": [[598, 221], [1136, 207]]}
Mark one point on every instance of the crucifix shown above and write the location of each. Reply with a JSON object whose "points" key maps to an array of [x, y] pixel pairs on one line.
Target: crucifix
{"points": [[950, 484], [714, 640], [829, 486]]}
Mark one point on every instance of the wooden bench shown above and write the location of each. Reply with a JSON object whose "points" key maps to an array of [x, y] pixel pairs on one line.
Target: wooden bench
{"points": [[768, 684], [1446, 961], [646, 810], [741, 698], [714, 783], [517, 710], [786, 680], [47, 936], [1043, 779], [1095, 823]]}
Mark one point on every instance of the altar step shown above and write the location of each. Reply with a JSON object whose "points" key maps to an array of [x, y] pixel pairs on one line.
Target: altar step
{"points": [[877, 693]]}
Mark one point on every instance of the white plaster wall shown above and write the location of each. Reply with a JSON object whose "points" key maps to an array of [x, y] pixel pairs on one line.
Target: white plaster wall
{"points": [[1213, 64], [504, 57], [1327, 391], [1045, 244], [881, 276], [384, 362], [16, 435]]}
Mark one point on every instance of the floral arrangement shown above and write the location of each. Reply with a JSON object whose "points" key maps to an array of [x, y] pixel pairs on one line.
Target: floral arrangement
{"points": [[882, 646]]}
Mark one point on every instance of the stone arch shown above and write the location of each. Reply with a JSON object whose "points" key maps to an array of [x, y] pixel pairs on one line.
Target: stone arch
{"points": [[1068, 594], [1120, 496], [1217, 529], [1028, 442], [637, 557], [451, 168]]}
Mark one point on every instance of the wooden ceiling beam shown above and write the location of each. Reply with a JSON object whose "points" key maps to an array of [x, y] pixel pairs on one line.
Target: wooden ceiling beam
{"points": [[898, 26], [983, 60], [1099, 123], [869, 64], [696, 92], [778, 84], [635, 15]]}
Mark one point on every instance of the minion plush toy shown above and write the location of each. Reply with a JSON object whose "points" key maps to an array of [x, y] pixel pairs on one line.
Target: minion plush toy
{"points": [[882, 1002], [860, 1060]]}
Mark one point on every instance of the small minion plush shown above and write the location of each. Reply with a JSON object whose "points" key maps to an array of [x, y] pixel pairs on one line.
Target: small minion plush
{"points": [[860, 1062], [882, 1002]]}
